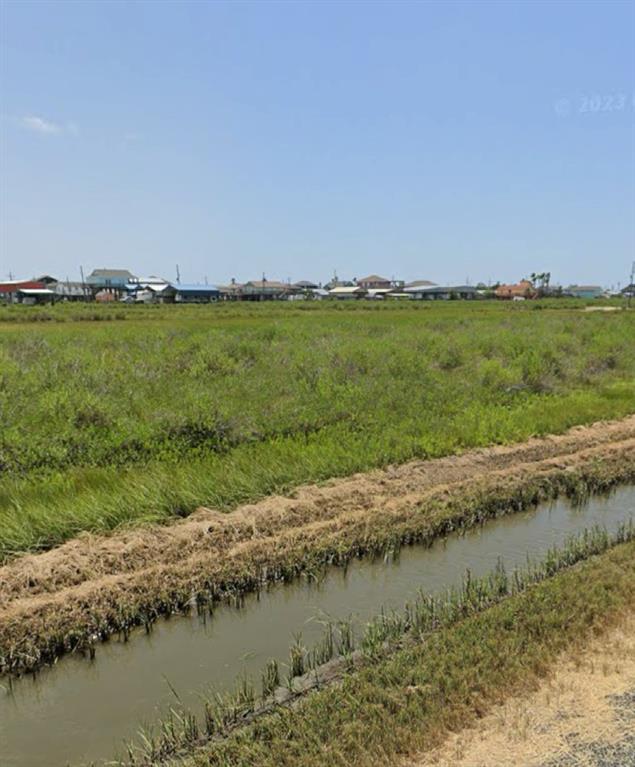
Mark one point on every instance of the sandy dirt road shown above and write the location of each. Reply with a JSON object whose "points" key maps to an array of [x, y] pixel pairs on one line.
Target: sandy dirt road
{"points": [[581, 715]]}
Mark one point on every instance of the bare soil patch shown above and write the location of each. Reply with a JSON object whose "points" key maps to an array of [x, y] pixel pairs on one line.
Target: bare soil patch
{"points": [[582, 715]]}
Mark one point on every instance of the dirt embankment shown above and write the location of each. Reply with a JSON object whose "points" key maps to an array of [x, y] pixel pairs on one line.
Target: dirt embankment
{"points": [[93, 586]]}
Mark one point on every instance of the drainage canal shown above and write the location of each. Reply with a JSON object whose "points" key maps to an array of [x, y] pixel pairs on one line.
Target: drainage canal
{"points": [[78, 711]]}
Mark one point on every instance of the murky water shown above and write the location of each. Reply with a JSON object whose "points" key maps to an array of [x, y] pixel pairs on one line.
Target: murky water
{"points": [[80, 710]]}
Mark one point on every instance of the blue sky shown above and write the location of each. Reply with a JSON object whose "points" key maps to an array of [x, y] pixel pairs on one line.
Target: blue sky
{"points": [[420, 140]]}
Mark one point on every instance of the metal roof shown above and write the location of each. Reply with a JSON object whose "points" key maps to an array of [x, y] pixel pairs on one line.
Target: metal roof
{"points": [[196, 288], [151, 280], [12, 285], [110, 273], [264, 284], [441, 289], [345, 290]]}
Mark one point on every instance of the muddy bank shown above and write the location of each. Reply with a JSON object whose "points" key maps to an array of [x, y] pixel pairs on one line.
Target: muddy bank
{"points": [[72, 597]]}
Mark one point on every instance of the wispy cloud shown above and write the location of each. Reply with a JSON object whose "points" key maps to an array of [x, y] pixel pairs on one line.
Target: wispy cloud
{"points": [[48, 127], [40, 125]]}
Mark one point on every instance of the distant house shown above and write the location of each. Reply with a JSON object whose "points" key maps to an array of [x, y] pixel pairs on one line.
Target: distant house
{"points": [[48, 280], [32, 296], [195, 294], [337, 283], [628, 291], [584, 291], [420, 284], [522, 289], [264, 290], [441, 292], [347, 292], [71, 291], [379, 292], [374, 281], [9, 290], [148, 290], [231, 292], [304, 290], [110, 280], [66, 290], [156, 293]]}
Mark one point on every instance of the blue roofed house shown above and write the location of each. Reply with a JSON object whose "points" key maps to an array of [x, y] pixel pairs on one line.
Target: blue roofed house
{"points": [[584, 291], [195, 294], [428, 291], [114, 281]]}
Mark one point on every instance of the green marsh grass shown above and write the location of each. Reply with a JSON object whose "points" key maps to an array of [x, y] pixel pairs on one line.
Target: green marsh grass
{"points": [[112, 423]]}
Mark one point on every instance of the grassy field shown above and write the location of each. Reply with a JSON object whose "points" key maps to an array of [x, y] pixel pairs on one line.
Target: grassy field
{"points": [[156, 410]]}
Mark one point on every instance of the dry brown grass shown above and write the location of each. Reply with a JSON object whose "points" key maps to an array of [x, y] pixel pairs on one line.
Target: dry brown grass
{"points": [[570, 710], [93, 586], [90, 557]]}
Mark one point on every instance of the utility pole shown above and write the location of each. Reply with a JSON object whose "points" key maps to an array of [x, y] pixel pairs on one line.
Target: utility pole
{"points": [[178, 275], [631, 287]]}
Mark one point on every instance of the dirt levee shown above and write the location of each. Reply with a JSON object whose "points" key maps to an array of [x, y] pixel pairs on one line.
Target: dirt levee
{"points": [[95, 585]]}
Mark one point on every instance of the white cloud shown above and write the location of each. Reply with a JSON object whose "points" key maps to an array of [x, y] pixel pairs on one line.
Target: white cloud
{"points": [[48, 127], [40, 125]]}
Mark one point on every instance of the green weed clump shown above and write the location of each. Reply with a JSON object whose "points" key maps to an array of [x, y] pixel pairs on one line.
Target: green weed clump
{"points": [[111, 423]]}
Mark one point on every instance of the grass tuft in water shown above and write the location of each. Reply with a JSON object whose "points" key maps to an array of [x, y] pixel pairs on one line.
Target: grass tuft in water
{"points": [[388, 634]]}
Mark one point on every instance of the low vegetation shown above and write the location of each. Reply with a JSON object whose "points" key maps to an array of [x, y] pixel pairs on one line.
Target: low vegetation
{"points": [[49, 614], [414, 675], [114, 418], [109, 423]]}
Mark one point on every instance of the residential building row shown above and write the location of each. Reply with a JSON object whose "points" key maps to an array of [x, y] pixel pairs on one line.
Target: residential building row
{"points": [[110, 285]]}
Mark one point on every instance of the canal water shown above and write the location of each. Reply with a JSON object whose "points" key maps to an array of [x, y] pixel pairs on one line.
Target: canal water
{"points": [[81, 710]]}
